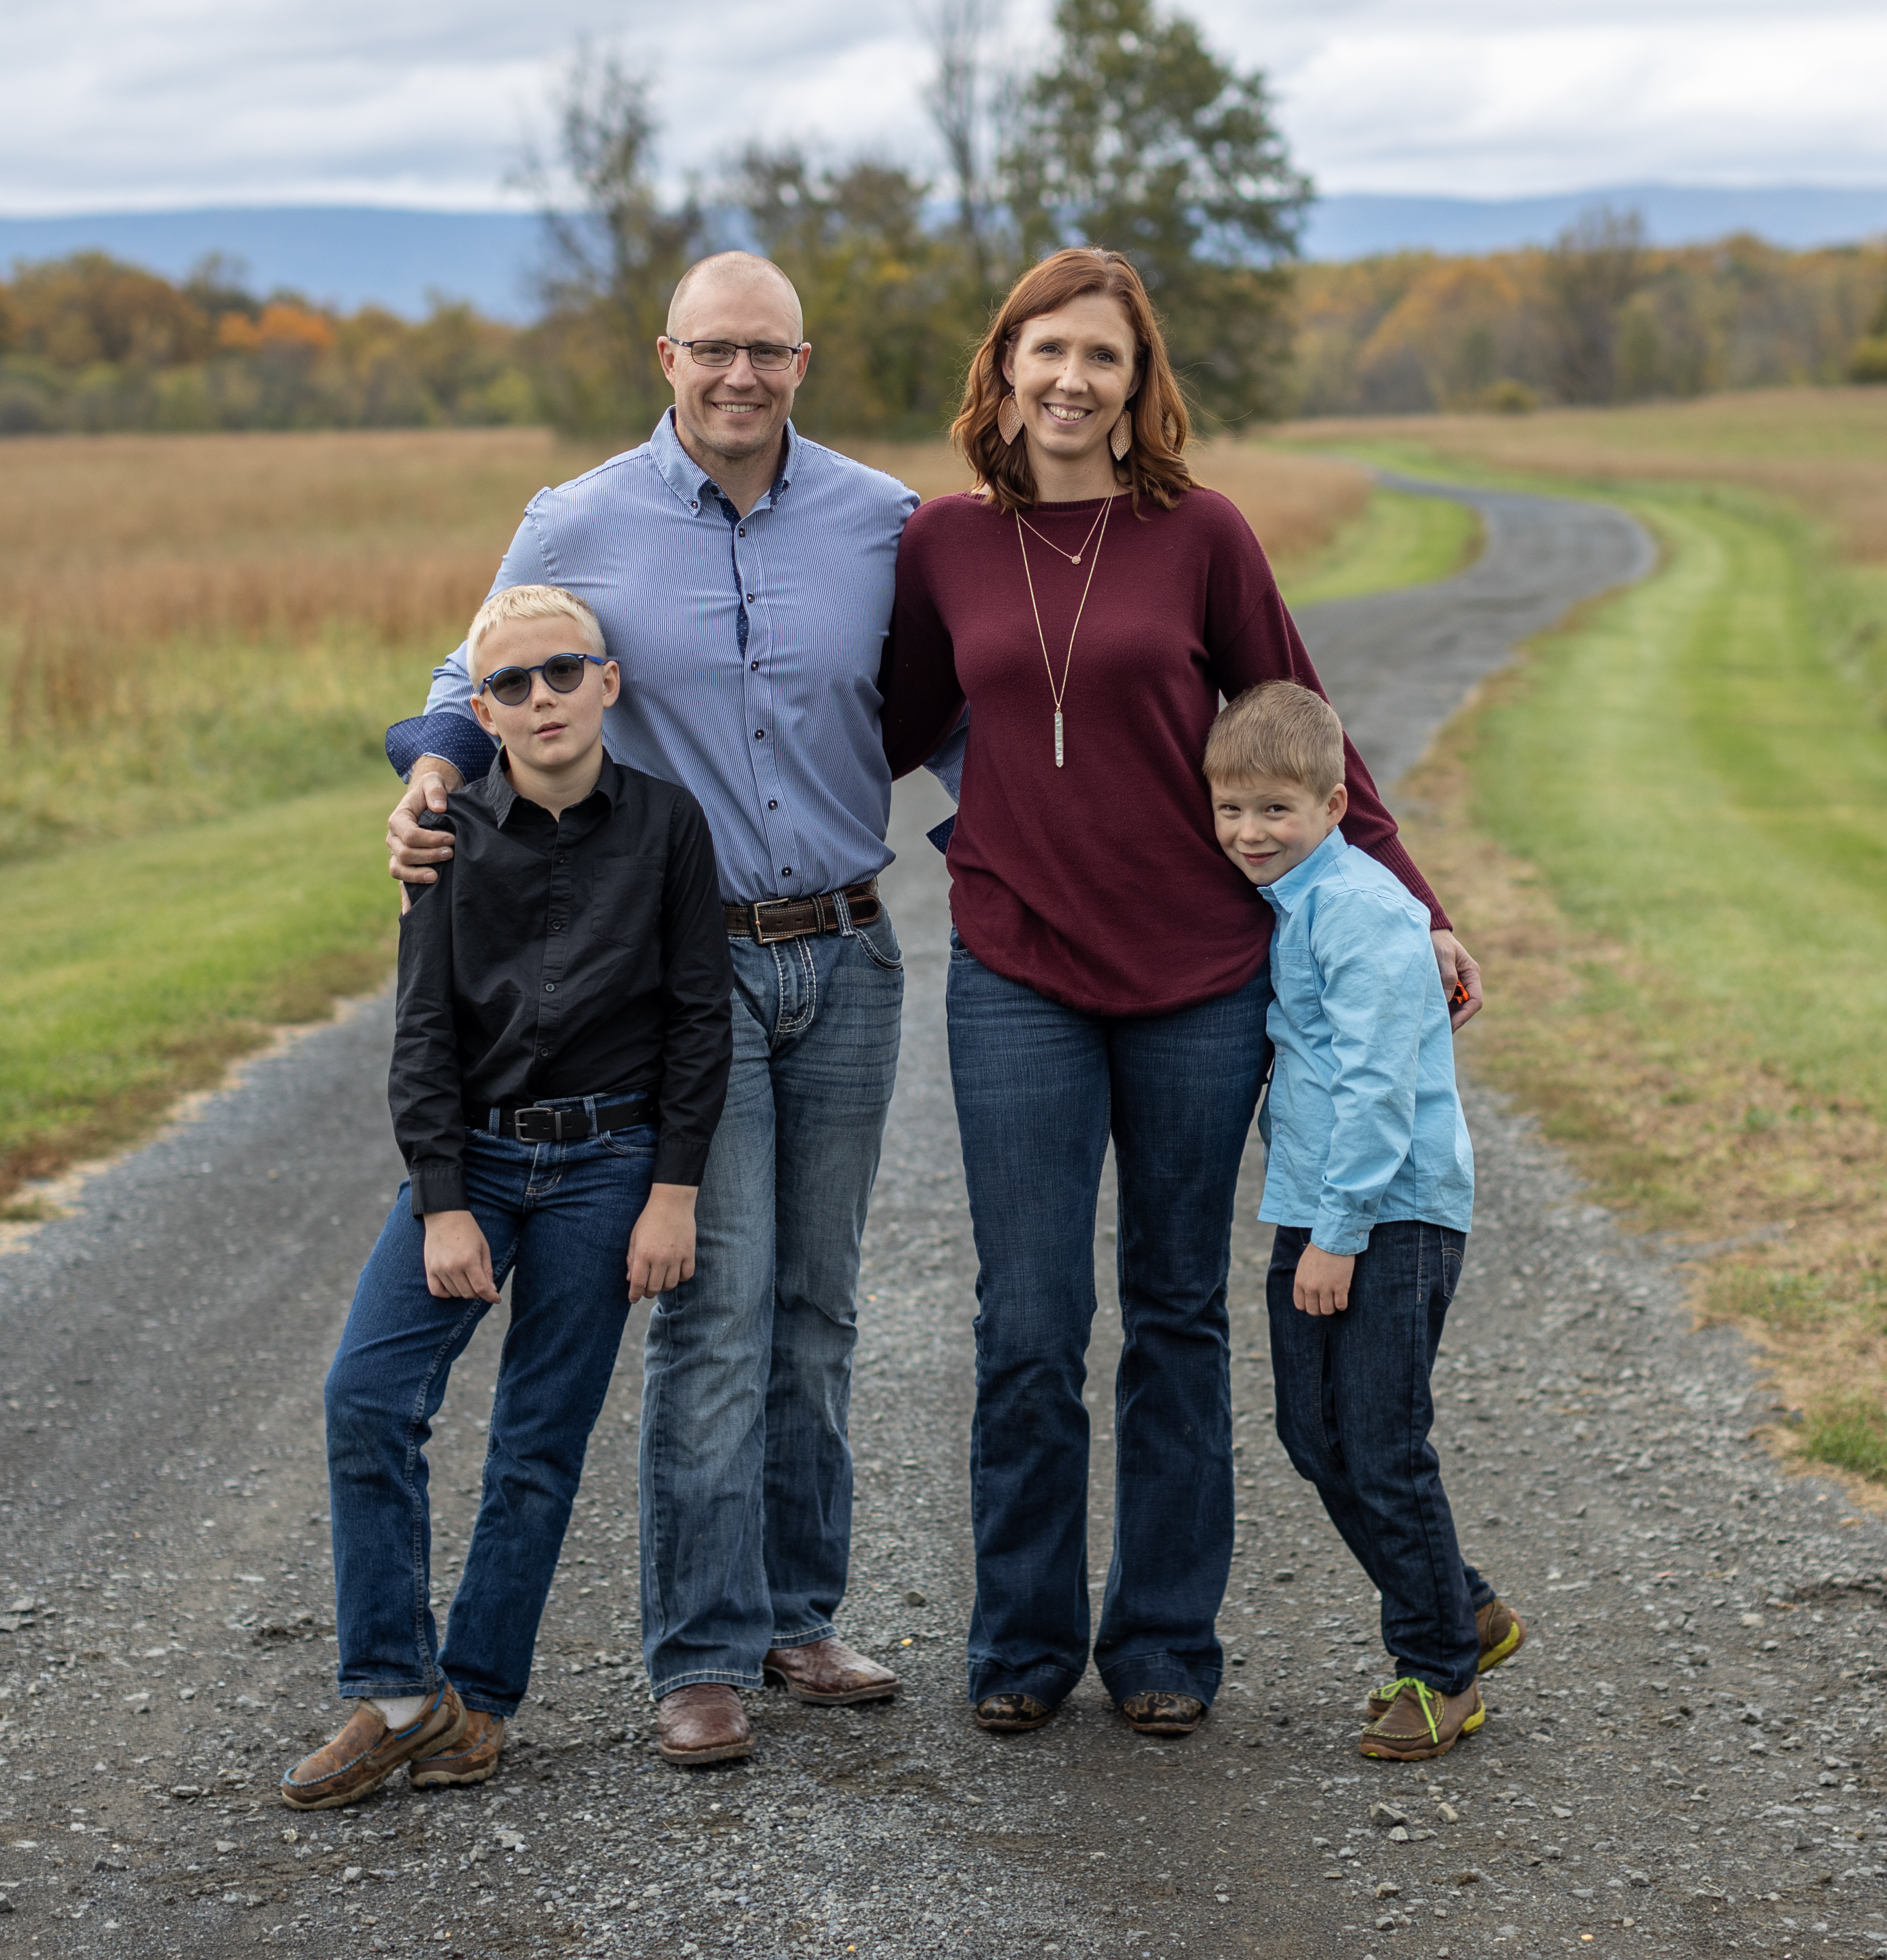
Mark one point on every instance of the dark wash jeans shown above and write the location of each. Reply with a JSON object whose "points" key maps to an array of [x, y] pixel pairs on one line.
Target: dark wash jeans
{"points": [[1040, 1089], [558, 1218], [1354, 1412]]}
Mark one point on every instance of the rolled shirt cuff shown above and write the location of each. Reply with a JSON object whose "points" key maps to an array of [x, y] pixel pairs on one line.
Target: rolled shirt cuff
{"points": [[452, 738], [680, 1157], [436, 1186]]}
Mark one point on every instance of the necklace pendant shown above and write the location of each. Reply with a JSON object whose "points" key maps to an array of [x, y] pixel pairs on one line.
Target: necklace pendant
{"points": [[1058, 738], [1076, 559]]}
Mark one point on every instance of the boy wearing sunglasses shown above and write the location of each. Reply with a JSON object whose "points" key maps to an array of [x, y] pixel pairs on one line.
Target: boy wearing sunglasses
{"points": [[561, 1054]]}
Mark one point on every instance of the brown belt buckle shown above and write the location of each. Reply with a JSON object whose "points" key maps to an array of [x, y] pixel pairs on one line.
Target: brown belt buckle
{"points": [[761, 936]]}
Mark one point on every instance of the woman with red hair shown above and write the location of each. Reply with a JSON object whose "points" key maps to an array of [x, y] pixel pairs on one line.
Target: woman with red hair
{"points": [[1108, 977]]}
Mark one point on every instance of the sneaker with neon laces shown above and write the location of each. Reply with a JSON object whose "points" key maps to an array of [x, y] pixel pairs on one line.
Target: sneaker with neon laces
{"points": [[1420, 1722], [1503, 1633]]}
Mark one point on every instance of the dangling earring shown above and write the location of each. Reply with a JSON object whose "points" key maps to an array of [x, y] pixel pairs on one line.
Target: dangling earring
{"points": [[1120, 437], [1009, 419]]}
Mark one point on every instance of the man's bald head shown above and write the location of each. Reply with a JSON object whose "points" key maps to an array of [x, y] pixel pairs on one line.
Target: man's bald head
{"points": [[727, 274]]}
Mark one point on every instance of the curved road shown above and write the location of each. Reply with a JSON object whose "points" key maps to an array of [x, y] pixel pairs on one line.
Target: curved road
{"points": [[1686, 1760]]}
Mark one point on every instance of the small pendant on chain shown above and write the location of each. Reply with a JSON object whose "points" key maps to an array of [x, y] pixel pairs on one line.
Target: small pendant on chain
{"points": [[1058, 738]]}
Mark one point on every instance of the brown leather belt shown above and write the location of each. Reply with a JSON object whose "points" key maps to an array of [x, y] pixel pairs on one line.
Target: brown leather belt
{"points": [[772, 920]]}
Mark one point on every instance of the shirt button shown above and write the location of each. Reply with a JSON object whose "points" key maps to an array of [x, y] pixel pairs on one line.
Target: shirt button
{"points": [[759, 734], [694, 503], [543, 1054], [749, 598], [773, 803], [786, 870], [754, 665], [556, 925], [744, 530], [550, 986]]}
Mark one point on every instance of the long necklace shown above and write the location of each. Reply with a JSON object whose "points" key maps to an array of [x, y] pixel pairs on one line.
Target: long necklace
{"points": [[1057, 692], [1073, 558]]}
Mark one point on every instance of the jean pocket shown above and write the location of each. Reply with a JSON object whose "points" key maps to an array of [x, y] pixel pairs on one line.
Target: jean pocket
{"points": [[958, 950], [870, 937], [638, 1140]]}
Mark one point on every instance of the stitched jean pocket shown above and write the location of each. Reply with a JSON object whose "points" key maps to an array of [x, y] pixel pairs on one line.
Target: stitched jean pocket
{"points": [[868, 937], [638, 1140]]}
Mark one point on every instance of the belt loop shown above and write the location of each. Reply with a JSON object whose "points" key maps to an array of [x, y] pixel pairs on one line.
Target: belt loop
{"points": [[846, 929], [590, 1110], [495, 1122]]}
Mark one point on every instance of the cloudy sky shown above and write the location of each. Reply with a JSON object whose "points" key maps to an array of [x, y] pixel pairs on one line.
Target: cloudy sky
{"points": [[123, 104]]}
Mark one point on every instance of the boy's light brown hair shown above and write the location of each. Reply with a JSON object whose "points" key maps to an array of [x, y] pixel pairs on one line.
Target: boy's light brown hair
{"points": [[1279, 732], [533, 601]]}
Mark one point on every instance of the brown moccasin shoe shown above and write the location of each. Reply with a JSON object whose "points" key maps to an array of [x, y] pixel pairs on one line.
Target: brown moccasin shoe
{"points": [[1502, 1633], [472, 1759], [828, 1674], [367, 1752], [1419, 1723], [703, 1723], [1010, 1714], [1156, 1712]]}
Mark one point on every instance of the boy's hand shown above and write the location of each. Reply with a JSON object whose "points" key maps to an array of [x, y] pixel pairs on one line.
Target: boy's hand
{"points": [[1323, 1280], [1460, 974], [458, 1260], [662, 1246], [412, 852]]}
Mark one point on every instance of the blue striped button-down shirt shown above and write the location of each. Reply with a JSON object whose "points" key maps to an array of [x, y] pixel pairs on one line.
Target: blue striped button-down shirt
{"points": [[750, 649]]}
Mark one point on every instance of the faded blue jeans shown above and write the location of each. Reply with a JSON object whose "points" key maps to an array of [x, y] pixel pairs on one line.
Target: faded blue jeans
{"points": [[1355, 1410], [746, 1475], [558, 1218], [1040, 1089]]}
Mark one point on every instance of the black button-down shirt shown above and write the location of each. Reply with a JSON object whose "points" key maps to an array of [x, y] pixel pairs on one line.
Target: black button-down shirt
{"points": [[581, 955]]}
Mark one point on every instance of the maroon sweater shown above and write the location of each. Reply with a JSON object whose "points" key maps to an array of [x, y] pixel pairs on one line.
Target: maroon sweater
{"points": [[1099, 884]]}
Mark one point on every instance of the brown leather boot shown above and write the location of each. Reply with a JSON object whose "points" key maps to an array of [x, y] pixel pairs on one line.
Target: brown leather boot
{"points": [[472, 1759], [1156, 1712], [367, 1752], [828, 1674], [1419, 1723], [705, 1724]]}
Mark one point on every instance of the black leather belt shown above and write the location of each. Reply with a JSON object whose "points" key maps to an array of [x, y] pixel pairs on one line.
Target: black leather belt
{"points": [[772, 920], [536, 1123]]}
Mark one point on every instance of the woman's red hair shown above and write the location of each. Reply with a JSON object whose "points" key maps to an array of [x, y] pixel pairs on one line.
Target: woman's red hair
{"points": [[1155, 466]]}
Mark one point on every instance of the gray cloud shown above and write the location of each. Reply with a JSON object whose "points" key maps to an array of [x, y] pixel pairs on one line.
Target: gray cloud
{"points": [[118, 103]]}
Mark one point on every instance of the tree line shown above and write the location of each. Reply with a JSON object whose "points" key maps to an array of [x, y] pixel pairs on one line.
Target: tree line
{"points": [[1132, 133]]}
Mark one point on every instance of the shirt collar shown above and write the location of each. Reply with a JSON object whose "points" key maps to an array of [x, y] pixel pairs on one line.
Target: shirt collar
{"points": [[692, 484], [1285, 894], [503, 799]]}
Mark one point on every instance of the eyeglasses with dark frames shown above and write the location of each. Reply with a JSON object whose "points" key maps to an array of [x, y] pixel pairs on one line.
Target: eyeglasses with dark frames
{"points": [[768, 356], [562, 673]]}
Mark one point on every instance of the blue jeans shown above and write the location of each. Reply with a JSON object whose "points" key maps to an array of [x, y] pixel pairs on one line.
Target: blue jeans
{"points": [[558, 1218], [1040, 1088], [745, 1471], [1354, 1413]]}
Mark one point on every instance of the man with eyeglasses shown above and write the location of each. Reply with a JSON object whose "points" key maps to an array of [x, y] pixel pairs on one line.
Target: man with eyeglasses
{"points": [[743, 576]]}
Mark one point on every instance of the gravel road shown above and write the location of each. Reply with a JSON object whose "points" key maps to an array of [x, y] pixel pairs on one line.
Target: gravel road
{"points": [[1686, 1760]]}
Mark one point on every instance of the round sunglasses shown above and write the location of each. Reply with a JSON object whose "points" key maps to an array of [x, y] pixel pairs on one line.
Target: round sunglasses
{"points": [[562, 673]]}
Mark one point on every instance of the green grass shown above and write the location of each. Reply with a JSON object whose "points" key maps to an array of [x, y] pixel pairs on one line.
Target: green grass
{"points": [[1699, 777], [1398, 540], [1850, 1433], [131, 971]]}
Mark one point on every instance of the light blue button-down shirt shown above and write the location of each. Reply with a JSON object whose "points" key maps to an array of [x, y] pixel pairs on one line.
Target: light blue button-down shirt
{"points": [[750, 649], [1363, 1123]]}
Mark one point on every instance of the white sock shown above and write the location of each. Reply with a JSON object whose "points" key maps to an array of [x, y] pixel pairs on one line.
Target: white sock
{"points": [[402, 1711]]}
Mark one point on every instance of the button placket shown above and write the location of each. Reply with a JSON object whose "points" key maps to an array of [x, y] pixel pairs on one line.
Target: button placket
{"points": [[757, 682], [558, 911]]}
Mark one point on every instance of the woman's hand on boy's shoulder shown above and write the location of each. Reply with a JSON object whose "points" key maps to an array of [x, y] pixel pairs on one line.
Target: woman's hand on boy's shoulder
{"points": [[662, 1244], [1460, 979]]}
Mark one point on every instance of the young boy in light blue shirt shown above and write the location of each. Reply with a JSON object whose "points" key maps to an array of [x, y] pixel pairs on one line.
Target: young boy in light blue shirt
{"points": [[1370, 1180]]}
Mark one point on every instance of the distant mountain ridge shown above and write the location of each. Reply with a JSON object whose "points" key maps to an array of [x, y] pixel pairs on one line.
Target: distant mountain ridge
{"points": [[350, 256]]}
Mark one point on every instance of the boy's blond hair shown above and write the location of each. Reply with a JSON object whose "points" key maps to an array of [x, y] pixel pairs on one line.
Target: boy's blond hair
{"points": [[1280, 732], [533, 601]]}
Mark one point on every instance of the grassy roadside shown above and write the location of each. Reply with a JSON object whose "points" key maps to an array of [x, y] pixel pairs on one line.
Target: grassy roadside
{"points": [[131, 972], [1398, 540], [1662, 831]]}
